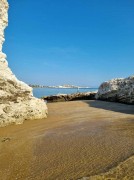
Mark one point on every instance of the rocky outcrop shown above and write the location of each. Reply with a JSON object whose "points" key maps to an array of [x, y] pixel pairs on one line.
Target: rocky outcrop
{"points": [[16, 99], [70, 97], [117, 90]]}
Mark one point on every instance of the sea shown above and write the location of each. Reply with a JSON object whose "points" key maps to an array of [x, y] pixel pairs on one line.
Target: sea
{"points": [[40, 92]]}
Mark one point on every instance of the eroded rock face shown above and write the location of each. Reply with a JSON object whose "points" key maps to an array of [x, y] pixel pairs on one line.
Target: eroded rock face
{"points": [[16, 99], [70, 97], [118, 90]]}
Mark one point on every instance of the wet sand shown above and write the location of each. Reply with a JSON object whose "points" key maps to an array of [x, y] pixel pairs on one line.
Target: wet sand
{"points": [[78, 139]]}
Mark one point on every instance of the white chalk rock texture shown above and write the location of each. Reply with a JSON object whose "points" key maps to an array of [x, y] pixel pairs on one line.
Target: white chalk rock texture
{"points": [[117, 90], [16, 98]]}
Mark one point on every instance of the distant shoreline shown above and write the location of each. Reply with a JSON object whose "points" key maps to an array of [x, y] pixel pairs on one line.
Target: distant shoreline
{"points": [[41, 92], [64, 87], [61, 87]]}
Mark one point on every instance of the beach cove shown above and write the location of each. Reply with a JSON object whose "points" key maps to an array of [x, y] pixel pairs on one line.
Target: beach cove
{"points": [[78, 139]]}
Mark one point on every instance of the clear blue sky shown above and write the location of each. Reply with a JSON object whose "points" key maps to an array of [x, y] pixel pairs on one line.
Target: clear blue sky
{"points": [[81, 42]]}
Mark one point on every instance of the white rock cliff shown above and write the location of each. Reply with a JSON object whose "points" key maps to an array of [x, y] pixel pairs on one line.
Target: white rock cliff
{"points": [[16, 99], [117, 90]]}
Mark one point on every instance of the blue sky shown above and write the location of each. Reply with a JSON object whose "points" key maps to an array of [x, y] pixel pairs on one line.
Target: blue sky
{"points": [[81, 42]]}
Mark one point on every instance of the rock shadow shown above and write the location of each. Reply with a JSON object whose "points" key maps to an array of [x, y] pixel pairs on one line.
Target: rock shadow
{"points": [[112, 106]]}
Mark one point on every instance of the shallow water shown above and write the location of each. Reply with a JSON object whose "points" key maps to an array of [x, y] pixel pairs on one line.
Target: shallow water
{"points": [[40, 92]]}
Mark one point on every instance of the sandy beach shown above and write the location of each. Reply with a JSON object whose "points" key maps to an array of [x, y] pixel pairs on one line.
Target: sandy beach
{"points": [[79, 139]]}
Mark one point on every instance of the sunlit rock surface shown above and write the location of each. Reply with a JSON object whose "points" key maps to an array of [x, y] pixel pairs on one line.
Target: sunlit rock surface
{"points": [[16, 99], [118, 90]]}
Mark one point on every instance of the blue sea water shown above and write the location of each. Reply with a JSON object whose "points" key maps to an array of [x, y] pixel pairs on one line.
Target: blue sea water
{"points": [[40, 92]]}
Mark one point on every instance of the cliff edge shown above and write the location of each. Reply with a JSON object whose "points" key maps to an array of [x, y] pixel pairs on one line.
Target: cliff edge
{"points": [[16, 98]]}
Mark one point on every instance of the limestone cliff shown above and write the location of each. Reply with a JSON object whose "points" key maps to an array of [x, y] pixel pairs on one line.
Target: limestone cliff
{"points": [[16, 99], [118, 90]]}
